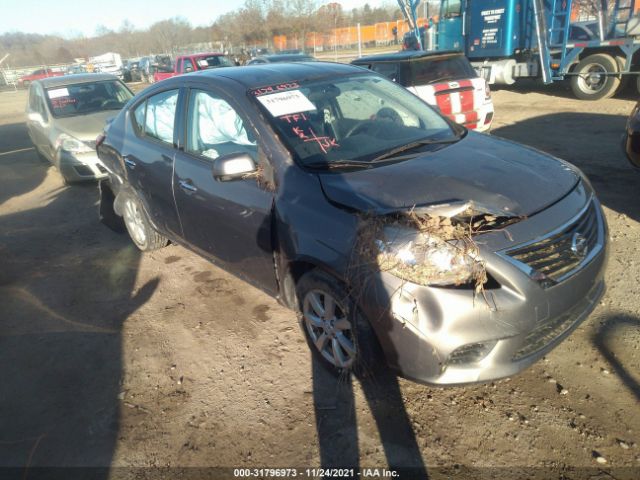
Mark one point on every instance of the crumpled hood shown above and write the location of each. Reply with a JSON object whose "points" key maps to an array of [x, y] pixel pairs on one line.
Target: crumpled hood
{"points": [[85, 127], [488, 171]]}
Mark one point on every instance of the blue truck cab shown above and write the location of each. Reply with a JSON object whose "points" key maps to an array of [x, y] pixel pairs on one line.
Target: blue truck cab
{"points": [[489, 28]]}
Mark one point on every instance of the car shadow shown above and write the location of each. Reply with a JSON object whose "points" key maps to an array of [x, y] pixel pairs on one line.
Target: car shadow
{"points": [[22, 169], [592, 142], [66, 288], [337, 428], [606, 339]]}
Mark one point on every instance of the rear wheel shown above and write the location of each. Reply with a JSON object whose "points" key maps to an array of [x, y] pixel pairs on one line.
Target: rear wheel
{"points": [[139, 227], [593, 79], [335, 328]]}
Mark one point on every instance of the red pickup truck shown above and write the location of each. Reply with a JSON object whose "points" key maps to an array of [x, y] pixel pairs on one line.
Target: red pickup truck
{"points": [[25, 80], [193, 63]]}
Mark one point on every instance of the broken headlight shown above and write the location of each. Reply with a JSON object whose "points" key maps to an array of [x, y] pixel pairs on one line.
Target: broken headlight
{"points": [[427, 259], [71, 144]]}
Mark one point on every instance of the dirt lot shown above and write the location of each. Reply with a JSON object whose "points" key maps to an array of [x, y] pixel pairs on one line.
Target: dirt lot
{"points": [[114, 358]]}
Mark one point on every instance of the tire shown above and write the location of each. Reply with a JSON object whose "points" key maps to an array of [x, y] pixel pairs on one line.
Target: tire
{"points": [[140, 230], [348, 341], [589, 83], [26, 84]]}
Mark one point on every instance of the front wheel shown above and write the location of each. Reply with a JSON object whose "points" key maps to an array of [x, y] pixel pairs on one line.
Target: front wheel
{"points": [[335, 328], [595, 77], [139, 227]]}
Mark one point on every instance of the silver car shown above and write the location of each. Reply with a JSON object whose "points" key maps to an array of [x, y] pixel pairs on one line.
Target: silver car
{"points": [[66, 114]]}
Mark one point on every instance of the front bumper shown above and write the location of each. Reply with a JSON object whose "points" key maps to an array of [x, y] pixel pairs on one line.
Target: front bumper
{"points": [[452, 336], [76, 167]]}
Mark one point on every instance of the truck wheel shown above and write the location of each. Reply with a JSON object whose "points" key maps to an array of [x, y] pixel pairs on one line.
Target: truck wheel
{"points": [[139, 227], [590, 81], [335, 328]]}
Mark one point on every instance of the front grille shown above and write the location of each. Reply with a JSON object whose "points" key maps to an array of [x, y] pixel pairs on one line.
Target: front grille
{"points": [[559, 255]]}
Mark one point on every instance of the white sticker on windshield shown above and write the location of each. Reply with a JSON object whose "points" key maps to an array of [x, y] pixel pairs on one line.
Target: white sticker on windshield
{"points": [[58, 92], [285, 103], [203, 63]]}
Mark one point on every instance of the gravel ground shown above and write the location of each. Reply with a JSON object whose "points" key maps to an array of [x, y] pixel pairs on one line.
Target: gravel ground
{"points": [[116, 358]]}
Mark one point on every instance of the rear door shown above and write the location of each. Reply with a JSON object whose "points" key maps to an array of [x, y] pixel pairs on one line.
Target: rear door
{"points": [[148, 154], [228, 221]]}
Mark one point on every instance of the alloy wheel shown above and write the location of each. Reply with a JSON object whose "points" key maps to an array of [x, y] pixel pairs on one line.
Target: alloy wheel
{"points": [[329, 329], [135, 222]]}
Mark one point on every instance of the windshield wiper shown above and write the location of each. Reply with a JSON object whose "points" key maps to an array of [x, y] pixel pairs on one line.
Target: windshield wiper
{"points": [[410, 146], [338, 164]]}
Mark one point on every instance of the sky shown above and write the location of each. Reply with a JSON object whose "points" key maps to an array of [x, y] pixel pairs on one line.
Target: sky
{"points": [[71, 18]]}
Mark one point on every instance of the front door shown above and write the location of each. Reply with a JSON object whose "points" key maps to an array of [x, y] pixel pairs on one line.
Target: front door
{"points": [[229, 221]]}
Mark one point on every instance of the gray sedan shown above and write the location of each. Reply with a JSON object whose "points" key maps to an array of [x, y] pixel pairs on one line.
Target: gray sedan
{"points": [[66, 114], [457, 257]]}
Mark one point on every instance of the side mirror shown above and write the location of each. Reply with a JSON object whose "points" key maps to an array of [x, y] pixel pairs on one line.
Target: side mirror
{"points": [[233, 167], [35, 117]]}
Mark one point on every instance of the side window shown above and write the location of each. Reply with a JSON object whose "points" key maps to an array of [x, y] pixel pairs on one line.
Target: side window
{"points": [[215, 128], [33, 99], [188, 65], [179, 66], [160, 116], [389, 70], [138, 118], [38, 103]]}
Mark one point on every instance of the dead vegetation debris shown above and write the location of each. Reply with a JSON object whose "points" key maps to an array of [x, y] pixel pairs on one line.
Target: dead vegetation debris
{"points": [[429, 246]]}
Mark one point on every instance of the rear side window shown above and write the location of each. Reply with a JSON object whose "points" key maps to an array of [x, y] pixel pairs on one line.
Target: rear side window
{"points": [[433, 70], [389, 70], [155, 118]]}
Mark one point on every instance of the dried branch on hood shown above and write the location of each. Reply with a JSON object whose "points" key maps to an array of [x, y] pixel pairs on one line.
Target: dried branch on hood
{"points": [[426, 247]]}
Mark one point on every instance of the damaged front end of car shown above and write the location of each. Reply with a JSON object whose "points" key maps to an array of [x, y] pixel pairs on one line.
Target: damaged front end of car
{"points": [[446, 307]]}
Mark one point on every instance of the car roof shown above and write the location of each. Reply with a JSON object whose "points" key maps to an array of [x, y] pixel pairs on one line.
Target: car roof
{"points": [[283, 57], [404, 55], [206, 54], [74, 79], [254, 76]]}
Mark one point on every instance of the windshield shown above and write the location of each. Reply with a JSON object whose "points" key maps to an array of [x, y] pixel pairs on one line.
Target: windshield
{"points": [[430, 70], [211, 61], [84, 98], [359, 117]]}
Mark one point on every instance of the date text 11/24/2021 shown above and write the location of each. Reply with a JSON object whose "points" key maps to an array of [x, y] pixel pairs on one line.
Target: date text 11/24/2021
{"points": [[314, 473]]}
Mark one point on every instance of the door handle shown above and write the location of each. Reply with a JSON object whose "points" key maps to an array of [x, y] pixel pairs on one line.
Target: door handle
{"points": [[129, 163], [187, 186]]}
